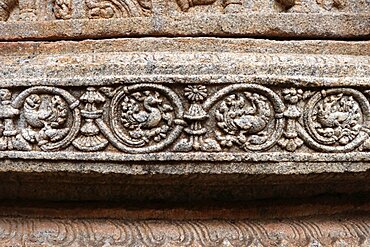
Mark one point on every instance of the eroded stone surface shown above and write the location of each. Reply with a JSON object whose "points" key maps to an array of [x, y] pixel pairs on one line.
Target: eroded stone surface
{"points": [[208, 100], [220, 134], [59, 232], [74, 19]]}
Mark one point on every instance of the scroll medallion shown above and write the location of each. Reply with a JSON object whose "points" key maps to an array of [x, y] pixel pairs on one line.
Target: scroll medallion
{"points": [[249, 116], [337, 119], [145, 117], [49, 117]]}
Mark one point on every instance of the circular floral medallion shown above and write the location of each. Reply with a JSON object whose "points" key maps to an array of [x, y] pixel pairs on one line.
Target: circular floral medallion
{"points": [[51, 118], [249, 116], [335, 118], [144, 117]]}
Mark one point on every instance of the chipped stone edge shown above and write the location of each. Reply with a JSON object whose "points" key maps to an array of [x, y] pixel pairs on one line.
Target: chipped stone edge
{"points": [[282, 163], [251, 25]]}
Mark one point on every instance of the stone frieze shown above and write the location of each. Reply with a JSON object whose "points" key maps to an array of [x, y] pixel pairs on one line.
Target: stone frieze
{"points": [[147, 118], [74, 19], [119, 100], [95, 232]]}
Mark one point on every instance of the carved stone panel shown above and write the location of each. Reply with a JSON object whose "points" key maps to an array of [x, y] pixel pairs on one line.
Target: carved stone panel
{"points": [[75, 19], [184, 122], [146, 118]]}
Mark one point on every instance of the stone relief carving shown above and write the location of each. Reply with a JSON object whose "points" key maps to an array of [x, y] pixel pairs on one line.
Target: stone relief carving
{"points": [[90, 138], [290, 139], [251, 118], [230, 6], [27, 10], [146, 118], [311, 5], [50, 117], [93, 232], [6, 7], [143, 118], [195, 116], [10, 138], [330, 4], [118, 8], [236, 6], [337, 119], [31, 10], [62, 9]]}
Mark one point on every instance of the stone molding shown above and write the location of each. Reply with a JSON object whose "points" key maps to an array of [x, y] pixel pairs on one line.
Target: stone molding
{"points": [[147, 118], [75, 19], [184, 122], [94, 232], [328, 26], [221, 101], [210, 61]]}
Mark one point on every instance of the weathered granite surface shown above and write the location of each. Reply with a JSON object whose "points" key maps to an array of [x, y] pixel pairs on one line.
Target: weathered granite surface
{"points": [[162, 118], [235, 103], [295, 232], [75, 19], [184, 123]]}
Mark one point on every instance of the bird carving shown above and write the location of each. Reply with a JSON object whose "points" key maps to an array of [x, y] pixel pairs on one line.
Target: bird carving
{"points": [[48, 115], [149, 115], [336, 111], [237, 116]]}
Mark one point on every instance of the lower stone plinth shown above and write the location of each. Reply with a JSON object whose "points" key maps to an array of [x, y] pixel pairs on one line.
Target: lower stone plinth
{"points": [[97, 232]]}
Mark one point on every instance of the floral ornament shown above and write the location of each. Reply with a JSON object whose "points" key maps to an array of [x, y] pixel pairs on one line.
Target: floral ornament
{"points": [[10, 139], [92, 97], [90, 138], [290, 140], [227, 140], [196, 93], [62, 9], [194, 117], [292, 95]]}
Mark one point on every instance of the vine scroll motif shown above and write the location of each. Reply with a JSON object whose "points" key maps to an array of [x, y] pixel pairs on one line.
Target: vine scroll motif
{"points": [[249, 115], [146, 118], [90, 232], [336, 120], [143, 118], [32, 10], [50, 117]]}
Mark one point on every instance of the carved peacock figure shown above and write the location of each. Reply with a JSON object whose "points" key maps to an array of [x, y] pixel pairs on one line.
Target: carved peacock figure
{"points": [[146, 116], [243, 118], [236, 115], [338, 118], [46, 116]]}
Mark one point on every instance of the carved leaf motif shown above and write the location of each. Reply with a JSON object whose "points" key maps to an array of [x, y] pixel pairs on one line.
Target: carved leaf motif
{"points": [[118, 8], [62, 9]]}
